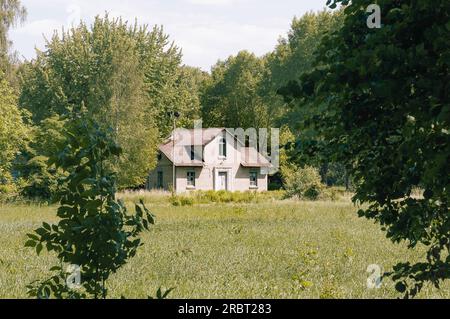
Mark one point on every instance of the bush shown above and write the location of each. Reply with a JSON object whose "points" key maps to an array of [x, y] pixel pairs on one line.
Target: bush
{"points": [[181, 201], [7, 192], [208, 197], [304, 183]]}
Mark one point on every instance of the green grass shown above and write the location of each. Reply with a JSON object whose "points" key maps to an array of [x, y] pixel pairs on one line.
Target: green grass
{"points": [[276, 249]]}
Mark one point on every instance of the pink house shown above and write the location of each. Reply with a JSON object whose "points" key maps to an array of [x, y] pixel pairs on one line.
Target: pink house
{"points": [[209, 159]]}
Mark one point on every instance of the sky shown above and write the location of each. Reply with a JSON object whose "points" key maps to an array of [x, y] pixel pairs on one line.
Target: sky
{"points": [[205, 30]]}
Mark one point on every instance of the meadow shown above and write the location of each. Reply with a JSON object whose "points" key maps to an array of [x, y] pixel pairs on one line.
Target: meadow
{"points": [[269, 248]]}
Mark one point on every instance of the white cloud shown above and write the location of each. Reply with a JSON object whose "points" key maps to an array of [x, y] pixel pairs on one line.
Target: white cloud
{"points": [[38, 28]]}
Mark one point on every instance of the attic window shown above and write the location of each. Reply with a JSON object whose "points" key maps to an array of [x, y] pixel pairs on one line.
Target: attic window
{"points": [[223, 147], [159, 156], [192, 153]]}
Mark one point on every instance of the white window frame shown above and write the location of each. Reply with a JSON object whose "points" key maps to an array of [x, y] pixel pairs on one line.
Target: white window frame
{"points": [[191, 179], [253, 183], [223, 150]]}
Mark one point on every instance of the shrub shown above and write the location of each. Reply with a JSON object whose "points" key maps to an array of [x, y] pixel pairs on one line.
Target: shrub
{"points": [[304, 183], [94, 231], [181, 201], [208, 197], [7, 192]]}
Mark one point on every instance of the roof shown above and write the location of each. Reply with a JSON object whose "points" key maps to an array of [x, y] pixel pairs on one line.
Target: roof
{"points": [[202, 137], [253, 158], [196, 137], [167, 150]]}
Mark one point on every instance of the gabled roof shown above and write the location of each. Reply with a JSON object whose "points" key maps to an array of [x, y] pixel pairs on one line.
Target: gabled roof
{"points": [[203, 137], [253, 158], [167, 150]]}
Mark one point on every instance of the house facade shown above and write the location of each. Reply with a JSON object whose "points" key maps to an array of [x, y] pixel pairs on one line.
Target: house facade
{"points": [[208, 159]]}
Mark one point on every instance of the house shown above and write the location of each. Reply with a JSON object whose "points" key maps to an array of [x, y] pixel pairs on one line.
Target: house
{"points": [[209, 159]]}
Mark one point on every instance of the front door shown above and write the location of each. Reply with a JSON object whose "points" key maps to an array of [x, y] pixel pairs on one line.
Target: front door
{"points": [[223, 181]]}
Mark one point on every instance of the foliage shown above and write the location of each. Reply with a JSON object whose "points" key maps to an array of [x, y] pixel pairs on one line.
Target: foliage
{"points": [[208, 197], [232, 97], [304, 183], [381, 104], [126, 76], [41, 181], [292, 57], [11, 12], [13, 131], [191, 83], [94, 231]]}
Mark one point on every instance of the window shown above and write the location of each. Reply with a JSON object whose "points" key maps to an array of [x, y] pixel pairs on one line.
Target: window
{"points": [[223, 147], [192, 153], [191, 179], [160, 180], [253, 179], [159, 156]]}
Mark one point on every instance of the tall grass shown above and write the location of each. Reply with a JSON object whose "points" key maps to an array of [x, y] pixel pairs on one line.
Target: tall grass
{"points": [[270, 249]]}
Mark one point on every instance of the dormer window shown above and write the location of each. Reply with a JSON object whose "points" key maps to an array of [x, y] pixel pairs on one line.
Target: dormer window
{"points": [[223, 147]]}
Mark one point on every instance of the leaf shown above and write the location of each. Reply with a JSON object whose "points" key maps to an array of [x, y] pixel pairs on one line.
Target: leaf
{"points": [[32, 236], [400, 287], [39, 248], [30, 243]]}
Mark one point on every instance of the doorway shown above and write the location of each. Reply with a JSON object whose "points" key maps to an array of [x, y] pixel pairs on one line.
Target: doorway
{"points": [[223, 181]]}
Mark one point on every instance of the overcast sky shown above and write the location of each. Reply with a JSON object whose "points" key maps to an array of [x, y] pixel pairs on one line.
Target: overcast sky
{"points": [[206, 30]]}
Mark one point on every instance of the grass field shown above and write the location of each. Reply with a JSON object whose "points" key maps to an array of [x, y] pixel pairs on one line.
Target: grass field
{"points": [[272, 249]]}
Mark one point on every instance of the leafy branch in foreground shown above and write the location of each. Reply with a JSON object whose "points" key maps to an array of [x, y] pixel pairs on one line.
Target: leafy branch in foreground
{"points": [[94, 230], [380, 100]]}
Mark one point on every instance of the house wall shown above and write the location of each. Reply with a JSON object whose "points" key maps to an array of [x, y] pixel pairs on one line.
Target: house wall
{"points": [[165, 166]]}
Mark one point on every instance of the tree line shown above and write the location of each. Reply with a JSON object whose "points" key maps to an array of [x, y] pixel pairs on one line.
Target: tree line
{"points": [[129, 77]]}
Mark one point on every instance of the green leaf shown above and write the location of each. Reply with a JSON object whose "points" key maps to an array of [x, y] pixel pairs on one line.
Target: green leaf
{"points": [[400, 287], [30, 243], [39, 248]]}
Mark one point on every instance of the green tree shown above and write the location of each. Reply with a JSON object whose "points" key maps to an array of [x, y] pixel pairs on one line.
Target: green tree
{"points": [[126, 76], [11, 12], [94, 230], [382, 105], [13, 131], [292, 57], [41, 181], [232, 96], [191, 84]]}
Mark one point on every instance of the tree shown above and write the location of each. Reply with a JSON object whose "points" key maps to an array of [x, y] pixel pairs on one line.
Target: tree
{"points": [[126, 76], [11, 12], [381, 98], [232, 97], [191, 84], [94, 231], [13, 131], [292, 57], [41, 181]]}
